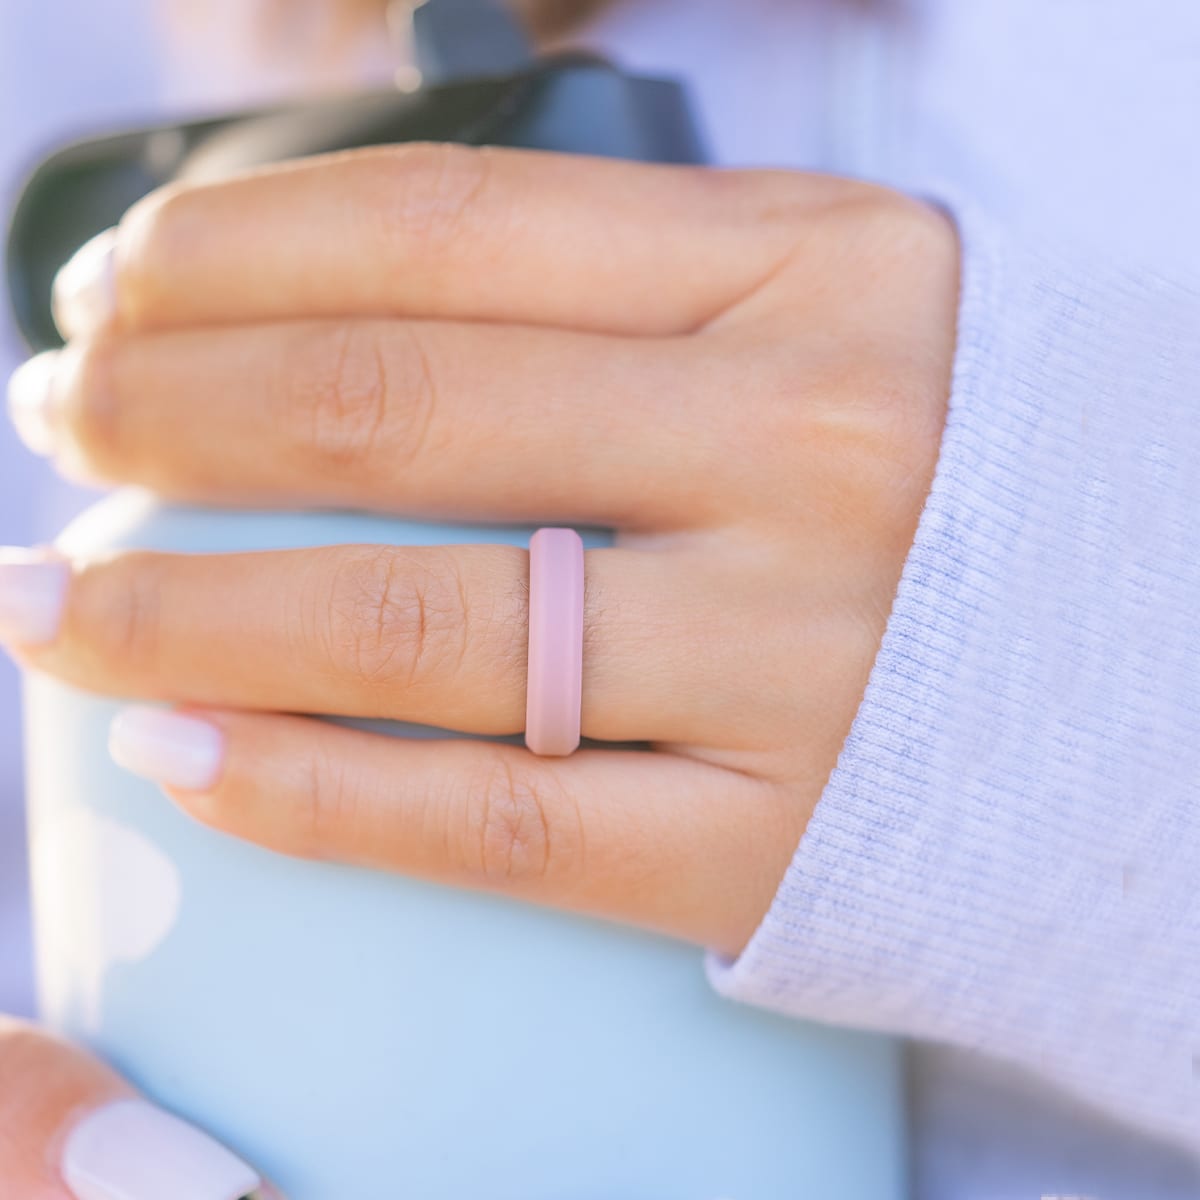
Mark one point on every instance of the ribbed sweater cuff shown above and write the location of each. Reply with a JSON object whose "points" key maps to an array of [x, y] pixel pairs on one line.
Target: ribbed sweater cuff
{"points": [[965, 876], [848, 915]]}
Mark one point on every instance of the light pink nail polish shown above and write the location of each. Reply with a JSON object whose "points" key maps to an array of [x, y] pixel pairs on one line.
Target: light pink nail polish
{"points": [[168, 747], [33, 594], [85, 298]]}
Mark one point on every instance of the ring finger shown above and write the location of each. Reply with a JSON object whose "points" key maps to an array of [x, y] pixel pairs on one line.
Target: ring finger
{"points": [[434, 635]]}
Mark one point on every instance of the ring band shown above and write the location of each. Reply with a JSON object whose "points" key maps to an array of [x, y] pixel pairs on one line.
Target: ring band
{"points": [[555, 690]]}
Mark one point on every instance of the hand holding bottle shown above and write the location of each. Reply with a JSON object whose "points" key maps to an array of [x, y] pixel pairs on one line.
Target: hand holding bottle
{"points": [[744, 374]]}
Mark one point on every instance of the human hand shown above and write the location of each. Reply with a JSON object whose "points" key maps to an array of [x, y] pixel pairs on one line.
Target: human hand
{"points": [[69, 1127], [744, 373]]}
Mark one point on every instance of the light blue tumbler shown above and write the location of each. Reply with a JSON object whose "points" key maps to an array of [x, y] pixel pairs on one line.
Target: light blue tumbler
{"points": [[366, 1037], [360, 1036]]}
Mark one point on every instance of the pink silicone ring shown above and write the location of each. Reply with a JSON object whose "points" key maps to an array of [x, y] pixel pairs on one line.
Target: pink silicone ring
{"points": [[555, 690]]}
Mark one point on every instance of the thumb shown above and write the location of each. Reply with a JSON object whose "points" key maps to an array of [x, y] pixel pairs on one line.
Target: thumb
{"points": [[71, 1129]]}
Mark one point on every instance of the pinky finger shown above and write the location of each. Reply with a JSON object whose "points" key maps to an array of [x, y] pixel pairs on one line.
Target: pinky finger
{"points": [[71, 1128], [657, 840]]}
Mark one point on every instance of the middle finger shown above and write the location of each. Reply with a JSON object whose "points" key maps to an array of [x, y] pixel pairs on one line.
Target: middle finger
{"points": [[444, 419]]}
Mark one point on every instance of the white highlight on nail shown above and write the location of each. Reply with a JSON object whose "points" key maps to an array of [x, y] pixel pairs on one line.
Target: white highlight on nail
{"points": [[31, 401], [131, 1150], [33, 593], [84, 299], [168, 747]]}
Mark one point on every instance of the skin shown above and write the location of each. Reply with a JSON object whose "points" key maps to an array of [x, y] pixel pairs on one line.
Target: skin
{"points": [[49, 1086], [744, 373]]}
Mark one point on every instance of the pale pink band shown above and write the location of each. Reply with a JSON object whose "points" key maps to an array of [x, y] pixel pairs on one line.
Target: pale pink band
{"points": [[555, 696]]}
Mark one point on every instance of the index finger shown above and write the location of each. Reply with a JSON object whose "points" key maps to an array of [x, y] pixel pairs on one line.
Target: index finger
{"points": [[445, 231]]}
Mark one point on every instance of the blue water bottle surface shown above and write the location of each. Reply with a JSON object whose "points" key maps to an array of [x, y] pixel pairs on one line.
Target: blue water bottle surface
{"points": [[366, 1037]]}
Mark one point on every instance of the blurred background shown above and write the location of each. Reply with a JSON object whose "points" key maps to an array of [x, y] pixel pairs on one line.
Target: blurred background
{"points": [[65, 67], [71, 68]]}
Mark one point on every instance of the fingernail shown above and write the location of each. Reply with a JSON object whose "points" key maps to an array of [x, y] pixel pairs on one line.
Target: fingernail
{"points": [[131, 1150], [31, 401], [33, 593], [168, 747], [85, 297]]}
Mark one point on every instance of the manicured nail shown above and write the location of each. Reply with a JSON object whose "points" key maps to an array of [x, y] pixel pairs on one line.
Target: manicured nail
{"points": [[31, 401], [85, 297], [131, 1150], [33, 593], [168, 747]]}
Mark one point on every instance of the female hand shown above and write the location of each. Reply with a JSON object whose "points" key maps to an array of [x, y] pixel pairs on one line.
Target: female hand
{"points": [[70, 1128], [744, 373]]}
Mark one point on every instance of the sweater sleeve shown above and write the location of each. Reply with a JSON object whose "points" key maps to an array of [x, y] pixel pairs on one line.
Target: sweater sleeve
{"points": [[1007, 855]]}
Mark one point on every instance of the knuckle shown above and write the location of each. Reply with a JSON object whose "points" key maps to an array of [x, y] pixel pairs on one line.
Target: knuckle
{"points": [[897, 421], [438, 192], [326, 811], [516, 821], [876, 446], [896, 231], [417, 387], [869, 408], [337, 385], [117, 608], [154, 235], [89, 402], [394, 620], [922, 231]]}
